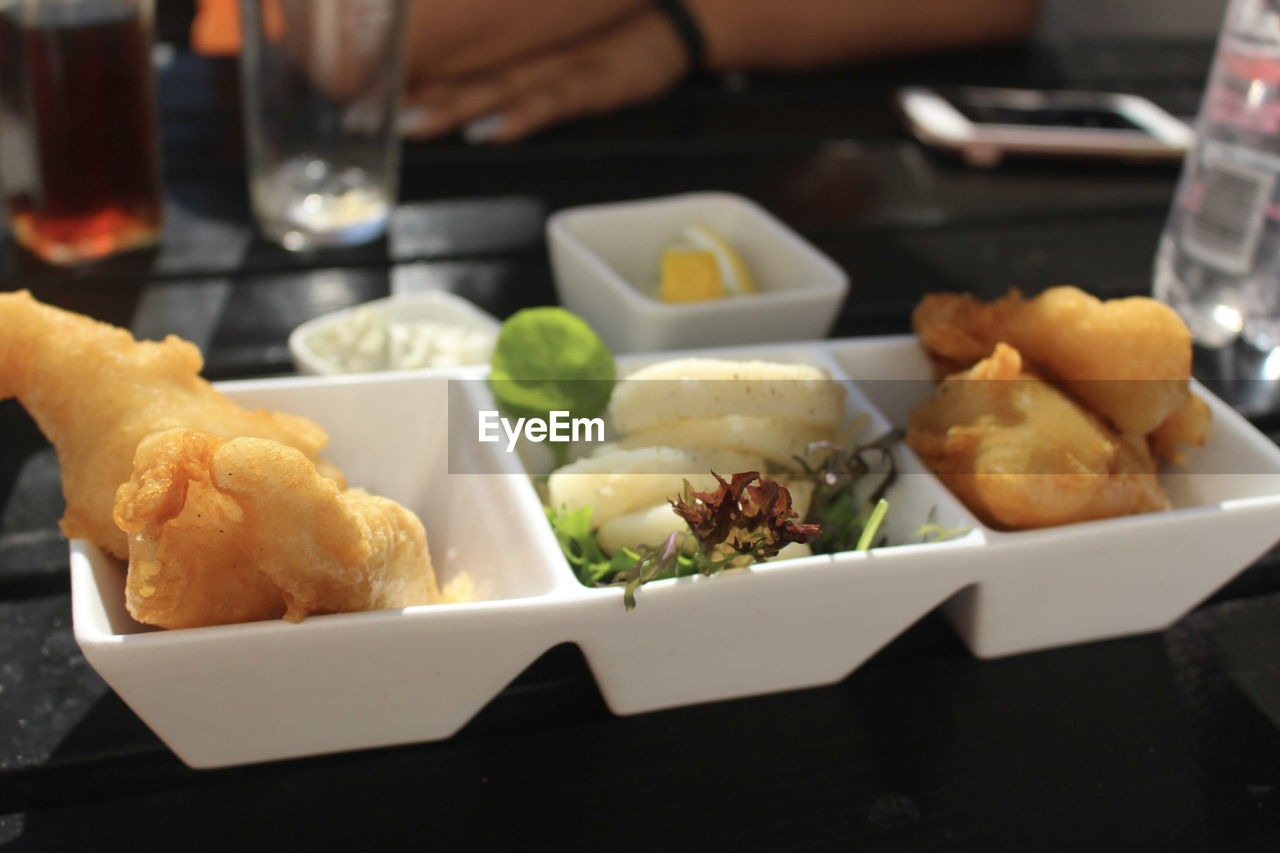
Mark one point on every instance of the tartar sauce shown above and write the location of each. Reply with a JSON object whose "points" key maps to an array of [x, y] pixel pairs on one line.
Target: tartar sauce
{"points": [[366, 341]]}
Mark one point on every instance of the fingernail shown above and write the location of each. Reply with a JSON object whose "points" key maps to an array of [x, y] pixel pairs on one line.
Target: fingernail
{"points": [[483, 129], [413, 119]]}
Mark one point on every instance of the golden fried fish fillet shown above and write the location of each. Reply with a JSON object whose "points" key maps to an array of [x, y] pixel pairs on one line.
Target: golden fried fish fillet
{"points": [[1127, 359], [1022, 454], [245, 529], [96, 392]]}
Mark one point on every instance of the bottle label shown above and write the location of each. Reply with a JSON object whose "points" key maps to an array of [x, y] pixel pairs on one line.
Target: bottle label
{"points": [[1242, 92], [1226, 211]]}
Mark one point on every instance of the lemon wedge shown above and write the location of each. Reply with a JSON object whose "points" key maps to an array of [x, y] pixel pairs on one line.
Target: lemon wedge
{"points": [[690, 275], [733, 271], [700, 266]]}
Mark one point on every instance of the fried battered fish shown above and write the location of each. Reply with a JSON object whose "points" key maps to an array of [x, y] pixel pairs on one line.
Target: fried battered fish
{"points": [[96, 392], [1022, 454], [1189, 425], [1127, 359], [246, 529]]}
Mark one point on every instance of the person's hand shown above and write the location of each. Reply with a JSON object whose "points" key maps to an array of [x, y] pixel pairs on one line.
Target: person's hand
{"points": [[628, 62]]}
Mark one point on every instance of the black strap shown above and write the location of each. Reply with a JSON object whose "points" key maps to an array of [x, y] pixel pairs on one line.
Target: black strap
{"points": [[687, 30]]}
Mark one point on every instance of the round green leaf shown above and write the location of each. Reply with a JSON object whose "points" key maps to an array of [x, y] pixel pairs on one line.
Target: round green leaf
{"points": [[547, 359]]}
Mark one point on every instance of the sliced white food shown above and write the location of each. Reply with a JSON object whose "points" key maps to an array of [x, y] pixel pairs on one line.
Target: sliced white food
{"points": [[776, 439], [792, 551], [702, 388], [621, 481], [649, 526]]}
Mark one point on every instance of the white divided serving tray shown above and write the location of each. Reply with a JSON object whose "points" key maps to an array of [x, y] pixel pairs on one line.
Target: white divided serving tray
{"points": [[253, 692]]}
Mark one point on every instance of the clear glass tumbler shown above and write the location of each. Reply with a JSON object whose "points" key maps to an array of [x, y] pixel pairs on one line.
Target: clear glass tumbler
{"points": [[79, 151], [321, 85]]}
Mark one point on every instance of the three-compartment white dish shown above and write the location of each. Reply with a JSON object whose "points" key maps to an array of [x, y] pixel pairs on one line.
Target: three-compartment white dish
{"points": [[253, 692]]}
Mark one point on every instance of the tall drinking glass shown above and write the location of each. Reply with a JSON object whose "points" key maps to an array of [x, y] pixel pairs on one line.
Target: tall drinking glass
{"points": [[321, 85], [79, 154]]}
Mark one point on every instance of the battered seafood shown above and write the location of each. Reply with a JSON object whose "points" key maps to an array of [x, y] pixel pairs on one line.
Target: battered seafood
{"points": [[1189, 425], [1127, 359], [96, 392], [225, 515], [246, 529], [1022, 454]]}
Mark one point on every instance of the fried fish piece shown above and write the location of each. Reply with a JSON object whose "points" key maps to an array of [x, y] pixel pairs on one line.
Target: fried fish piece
{"points": [[246, 529], [96, 392], [1022, 454], [1128, 360], [1189, 425]]}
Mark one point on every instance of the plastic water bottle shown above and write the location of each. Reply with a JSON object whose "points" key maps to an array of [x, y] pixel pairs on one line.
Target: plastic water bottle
{"points": [[1219, 258]]}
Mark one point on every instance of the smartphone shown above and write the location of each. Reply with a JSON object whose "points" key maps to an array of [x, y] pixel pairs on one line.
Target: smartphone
{"points": [[984, 125]]}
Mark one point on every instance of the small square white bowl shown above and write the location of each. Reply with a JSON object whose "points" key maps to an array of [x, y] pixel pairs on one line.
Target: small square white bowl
{"points": [[430, 306], [605, 260]]}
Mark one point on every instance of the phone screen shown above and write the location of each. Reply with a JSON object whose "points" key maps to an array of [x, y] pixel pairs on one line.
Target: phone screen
{"points": [[988, 112]]}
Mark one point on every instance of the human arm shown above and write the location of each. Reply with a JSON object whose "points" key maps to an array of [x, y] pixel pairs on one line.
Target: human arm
{"points": [[631, 61], [801, 34], [640, 56]]}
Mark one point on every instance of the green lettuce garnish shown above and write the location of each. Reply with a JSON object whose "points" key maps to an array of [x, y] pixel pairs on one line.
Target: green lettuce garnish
{"points": [[849, 496], [595, 568], [744, 519]]}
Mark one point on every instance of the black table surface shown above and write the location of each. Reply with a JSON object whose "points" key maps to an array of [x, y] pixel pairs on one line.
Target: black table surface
{"points": [[1154, 742]]}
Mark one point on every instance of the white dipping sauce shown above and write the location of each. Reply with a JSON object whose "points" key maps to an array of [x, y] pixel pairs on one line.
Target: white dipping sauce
{"points": [[366, 341]]}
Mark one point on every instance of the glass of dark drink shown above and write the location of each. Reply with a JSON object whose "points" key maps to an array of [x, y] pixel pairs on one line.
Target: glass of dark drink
{"points": [[79, 152]]}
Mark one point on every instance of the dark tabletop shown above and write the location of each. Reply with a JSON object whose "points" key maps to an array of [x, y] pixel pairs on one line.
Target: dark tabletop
{"points": [[1156, 742]]}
